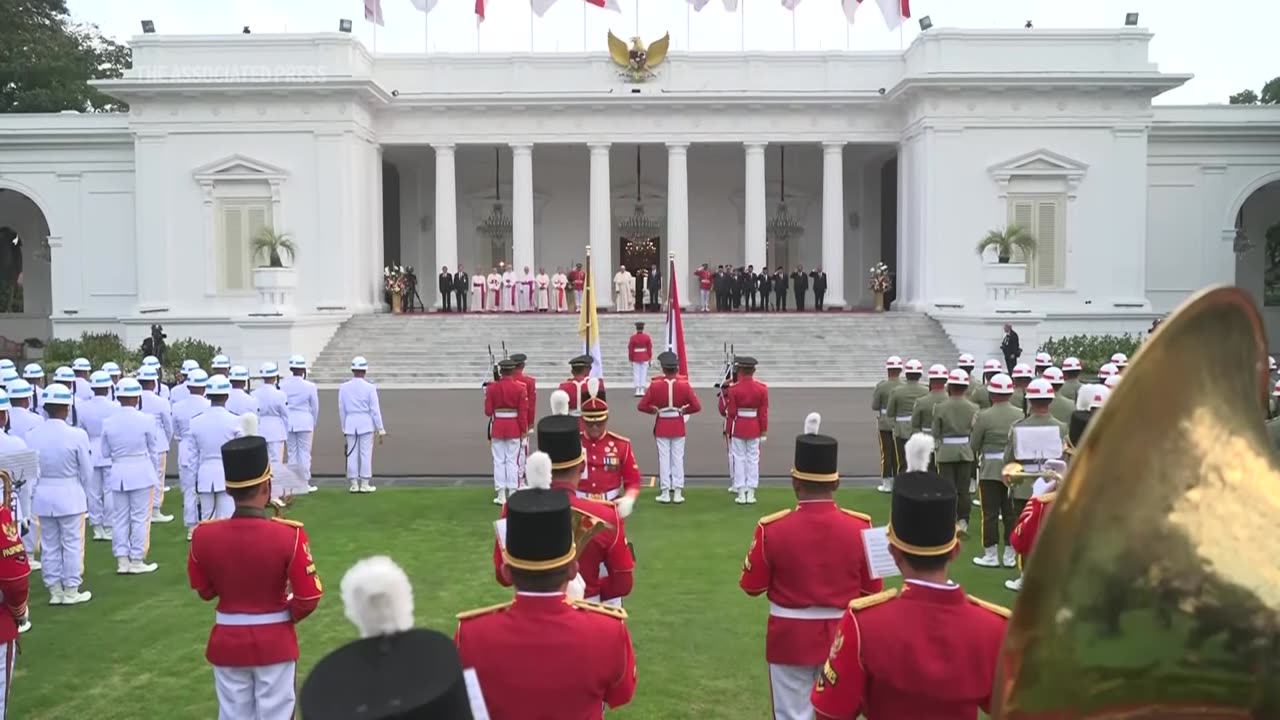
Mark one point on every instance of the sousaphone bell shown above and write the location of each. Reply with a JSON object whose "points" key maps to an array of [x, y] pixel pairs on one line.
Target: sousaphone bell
{"points": [[1154, 589]]}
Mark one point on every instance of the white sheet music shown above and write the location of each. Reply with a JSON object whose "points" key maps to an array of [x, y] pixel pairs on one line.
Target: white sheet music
{"points": [[479, 710], [287, 480], [875, 541], [500, 527], [23, 465], [1037, 443]]}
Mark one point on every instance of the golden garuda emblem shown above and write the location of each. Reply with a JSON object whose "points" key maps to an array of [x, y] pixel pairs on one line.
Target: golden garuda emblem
{"points": [[637, 61]]}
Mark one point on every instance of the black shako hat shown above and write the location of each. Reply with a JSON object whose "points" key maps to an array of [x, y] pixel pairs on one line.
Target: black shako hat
{"points": [[413, 675], [245, 462], [816, 454], [559, 437], [923, 515], [539, 530]]}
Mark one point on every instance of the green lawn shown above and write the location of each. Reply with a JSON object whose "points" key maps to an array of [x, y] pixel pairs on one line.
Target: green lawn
{"points": [[137, 650]]}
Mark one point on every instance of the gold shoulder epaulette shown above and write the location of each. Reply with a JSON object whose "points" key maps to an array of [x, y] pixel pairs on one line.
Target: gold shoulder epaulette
{"points": [[209, 521], [611, 611], [620, 437], [1000, 610], [879, 598], [855, 513], [775, 516], [287, 521], [484, 610]]}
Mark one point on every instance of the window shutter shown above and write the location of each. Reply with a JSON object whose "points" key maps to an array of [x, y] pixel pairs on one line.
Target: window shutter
{"points": [[1023, 217], [233, 247], [1047, 245]]}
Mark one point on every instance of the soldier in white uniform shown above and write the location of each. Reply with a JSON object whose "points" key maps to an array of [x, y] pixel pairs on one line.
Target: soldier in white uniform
{"points": [[209, 430], [7, 364], [161, 390], [8, 375], [130, 440], [304, 409], [34, 374], [59, 498], [220, 365], [113, 372], [81, 368], [8, 444], [360, 416], [21, 422], [273, 411], [240, 401], [159, 409], [179, 391], [186, 408], [66, 377], [92, 413]]}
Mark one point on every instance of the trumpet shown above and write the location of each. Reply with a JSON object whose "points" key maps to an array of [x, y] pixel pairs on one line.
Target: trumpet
{"points": [[585, 527], [7, 479], [1014, 473], [280, 505]]}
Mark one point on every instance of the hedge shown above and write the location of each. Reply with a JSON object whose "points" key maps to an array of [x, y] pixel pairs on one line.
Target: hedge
{"points": [[1093, 351], [99, 348]]}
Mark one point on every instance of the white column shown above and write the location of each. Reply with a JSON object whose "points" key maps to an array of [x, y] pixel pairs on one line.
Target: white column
{"points": [[601, 221], [150, 163], [678, 218], [754, 200], [446, 222], [833, 222], [521, 207]]}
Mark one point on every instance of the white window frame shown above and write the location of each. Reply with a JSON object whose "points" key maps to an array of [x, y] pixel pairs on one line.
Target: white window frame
{"points": [[245, 205], [234, 180], [1059, 254], [1041, 176]]}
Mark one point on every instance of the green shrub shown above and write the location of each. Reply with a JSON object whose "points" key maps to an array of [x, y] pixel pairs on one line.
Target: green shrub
{"points": [[97, 348], [187, 349], [1093, 350]]}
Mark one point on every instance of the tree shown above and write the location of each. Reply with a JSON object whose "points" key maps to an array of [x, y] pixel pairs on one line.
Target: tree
{"points": [[1244, 97], [47, 60], [1270, 95]]}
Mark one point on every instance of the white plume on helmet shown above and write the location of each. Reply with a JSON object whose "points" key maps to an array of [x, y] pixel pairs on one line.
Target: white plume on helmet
{"points": [[919, 448], [559, 403], [377, 597], [593, 387], [249, 423], [812, 422], [537, 470]]}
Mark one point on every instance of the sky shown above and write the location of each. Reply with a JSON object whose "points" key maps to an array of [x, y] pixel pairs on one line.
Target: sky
{"points": [[1222, 42]]}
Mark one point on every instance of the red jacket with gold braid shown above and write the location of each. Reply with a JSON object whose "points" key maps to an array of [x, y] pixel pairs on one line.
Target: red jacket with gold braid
{"points": [[670, 398], [14, 572]]}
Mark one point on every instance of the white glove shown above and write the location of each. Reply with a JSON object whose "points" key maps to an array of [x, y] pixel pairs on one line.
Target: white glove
{"points": [[763, 439], [382, 432], [625, 505], [577, 588]]}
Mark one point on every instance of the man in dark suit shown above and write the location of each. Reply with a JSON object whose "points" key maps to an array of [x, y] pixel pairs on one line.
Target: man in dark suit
{"points": [[1009, 347], [717, 286], [780, 289], [749, 287], [764, 284], [819, 287], [461, 290], [800, 283], [446, 289]]}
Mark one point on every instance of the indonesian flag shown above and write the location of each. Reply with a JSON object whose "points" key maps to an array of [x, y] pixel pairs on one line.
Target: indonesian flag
{"points": [[895, 11], [425, 6], [729, 5], [479, 11], [675, 328], [850, 7], [373, 12], [606, 4]]}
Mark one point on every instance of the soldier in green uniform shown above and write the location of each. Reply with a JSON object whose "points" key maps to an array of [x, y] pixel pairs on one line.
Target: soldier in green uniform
{"points": [[1273, 425], [953, 421], [1070, 389], [884, 422], [988, 439], [1022, 376], [901, 402], [978, 394], [1043, 362], [922, 413], [966, 363], [1039, 396], [1061, 408]]}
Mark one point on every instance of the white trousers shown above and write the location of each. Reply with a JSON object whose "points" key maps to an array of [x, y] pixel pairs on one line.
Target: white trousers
{"points": [[746, 463], [187, 481], [275, 451], [30, 541], [300, 451], [131, 523], [215, 506], [264, 692], [705, 297], [790, 686], [671, 463], [639, 374], [8, 658], [733, 476], [162, 460], [62, 550], [360, 456], [506, 471], [99, 499]]}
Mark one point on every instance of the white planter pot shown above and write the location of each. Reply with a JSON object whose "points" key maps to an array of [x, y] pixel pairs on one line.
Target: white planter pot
{"points": [[275, 288], [1004, 283]]}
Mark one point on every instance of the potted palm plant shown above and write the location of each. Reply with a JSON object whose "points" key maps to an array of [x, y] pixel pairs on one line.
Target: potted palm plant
{"points": [[1005, 279], [1006, 241], [274, 280]]}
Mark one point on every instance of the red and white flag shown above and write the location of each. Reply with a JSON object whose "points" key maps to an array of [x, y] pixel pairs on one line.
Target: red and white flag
{"points": [[373, 12], [479, 11], [425, 6], [729, 5], [606, 4], [850, 7], [895, 11], [540, 7], [675, 327]]}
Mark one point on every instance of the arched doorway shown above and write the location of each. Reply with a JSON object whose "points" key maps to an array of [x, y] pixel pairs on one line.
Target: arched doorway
{"points": [[1257, 232], [26, 297]]}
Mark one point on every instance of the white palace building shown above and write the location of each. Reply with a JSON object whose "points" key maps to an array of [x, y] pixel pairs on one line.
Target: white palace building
{"points": [[907, 157]]}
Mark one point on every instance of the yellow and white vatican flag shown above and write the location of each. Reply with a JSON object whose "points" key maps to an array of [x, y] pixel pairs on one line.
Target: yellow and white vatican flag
{"points": [[589, 322]]}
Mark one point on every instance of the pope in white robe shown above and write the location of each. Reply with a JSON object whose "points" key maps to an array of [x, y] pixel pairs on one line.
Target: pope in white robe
{"points": [[544, 291], [524, 292], [509, 291], [494, 283], [560, 284], [624, 290], [479, 299]]}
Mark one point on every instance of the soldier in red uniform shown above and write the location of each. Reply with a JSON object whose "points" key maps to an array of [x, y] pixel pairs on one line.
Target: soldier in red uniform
{"points": [[672, 400], [577, 280], [606, 564], [531, 413], [929, 650], [800, 558], [576, 386], [506, 403], [261, 572], [543, 656], [747, 412], [722, 403], [14, 572], [640, 353], [612, 471]]}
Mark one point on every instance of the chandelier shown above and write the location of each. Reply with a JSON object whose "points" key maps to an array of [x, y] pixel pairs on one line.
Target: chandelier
{"points": [[639, 226], [783, 225], [497, 226]]}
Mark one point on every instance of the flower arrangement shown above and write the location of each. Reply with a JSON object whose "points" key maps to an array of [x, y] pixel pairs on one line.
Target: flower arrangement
{"points": [[395, 278], [880, 279]]}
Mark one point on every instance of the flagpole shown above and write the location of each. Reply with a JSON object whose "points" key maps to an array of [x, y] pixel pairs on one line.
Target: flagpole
{"points": [[426, 32], [793, 29], [742, 26], [584, 27], [847, 28], [530, 28], [688, 27], [637, 18]]}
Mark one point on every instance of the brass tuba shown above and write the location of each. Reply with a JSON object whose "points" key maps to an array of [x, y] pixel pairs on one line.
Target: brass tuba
{"points": [[1154, 590], [7, 480]]}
